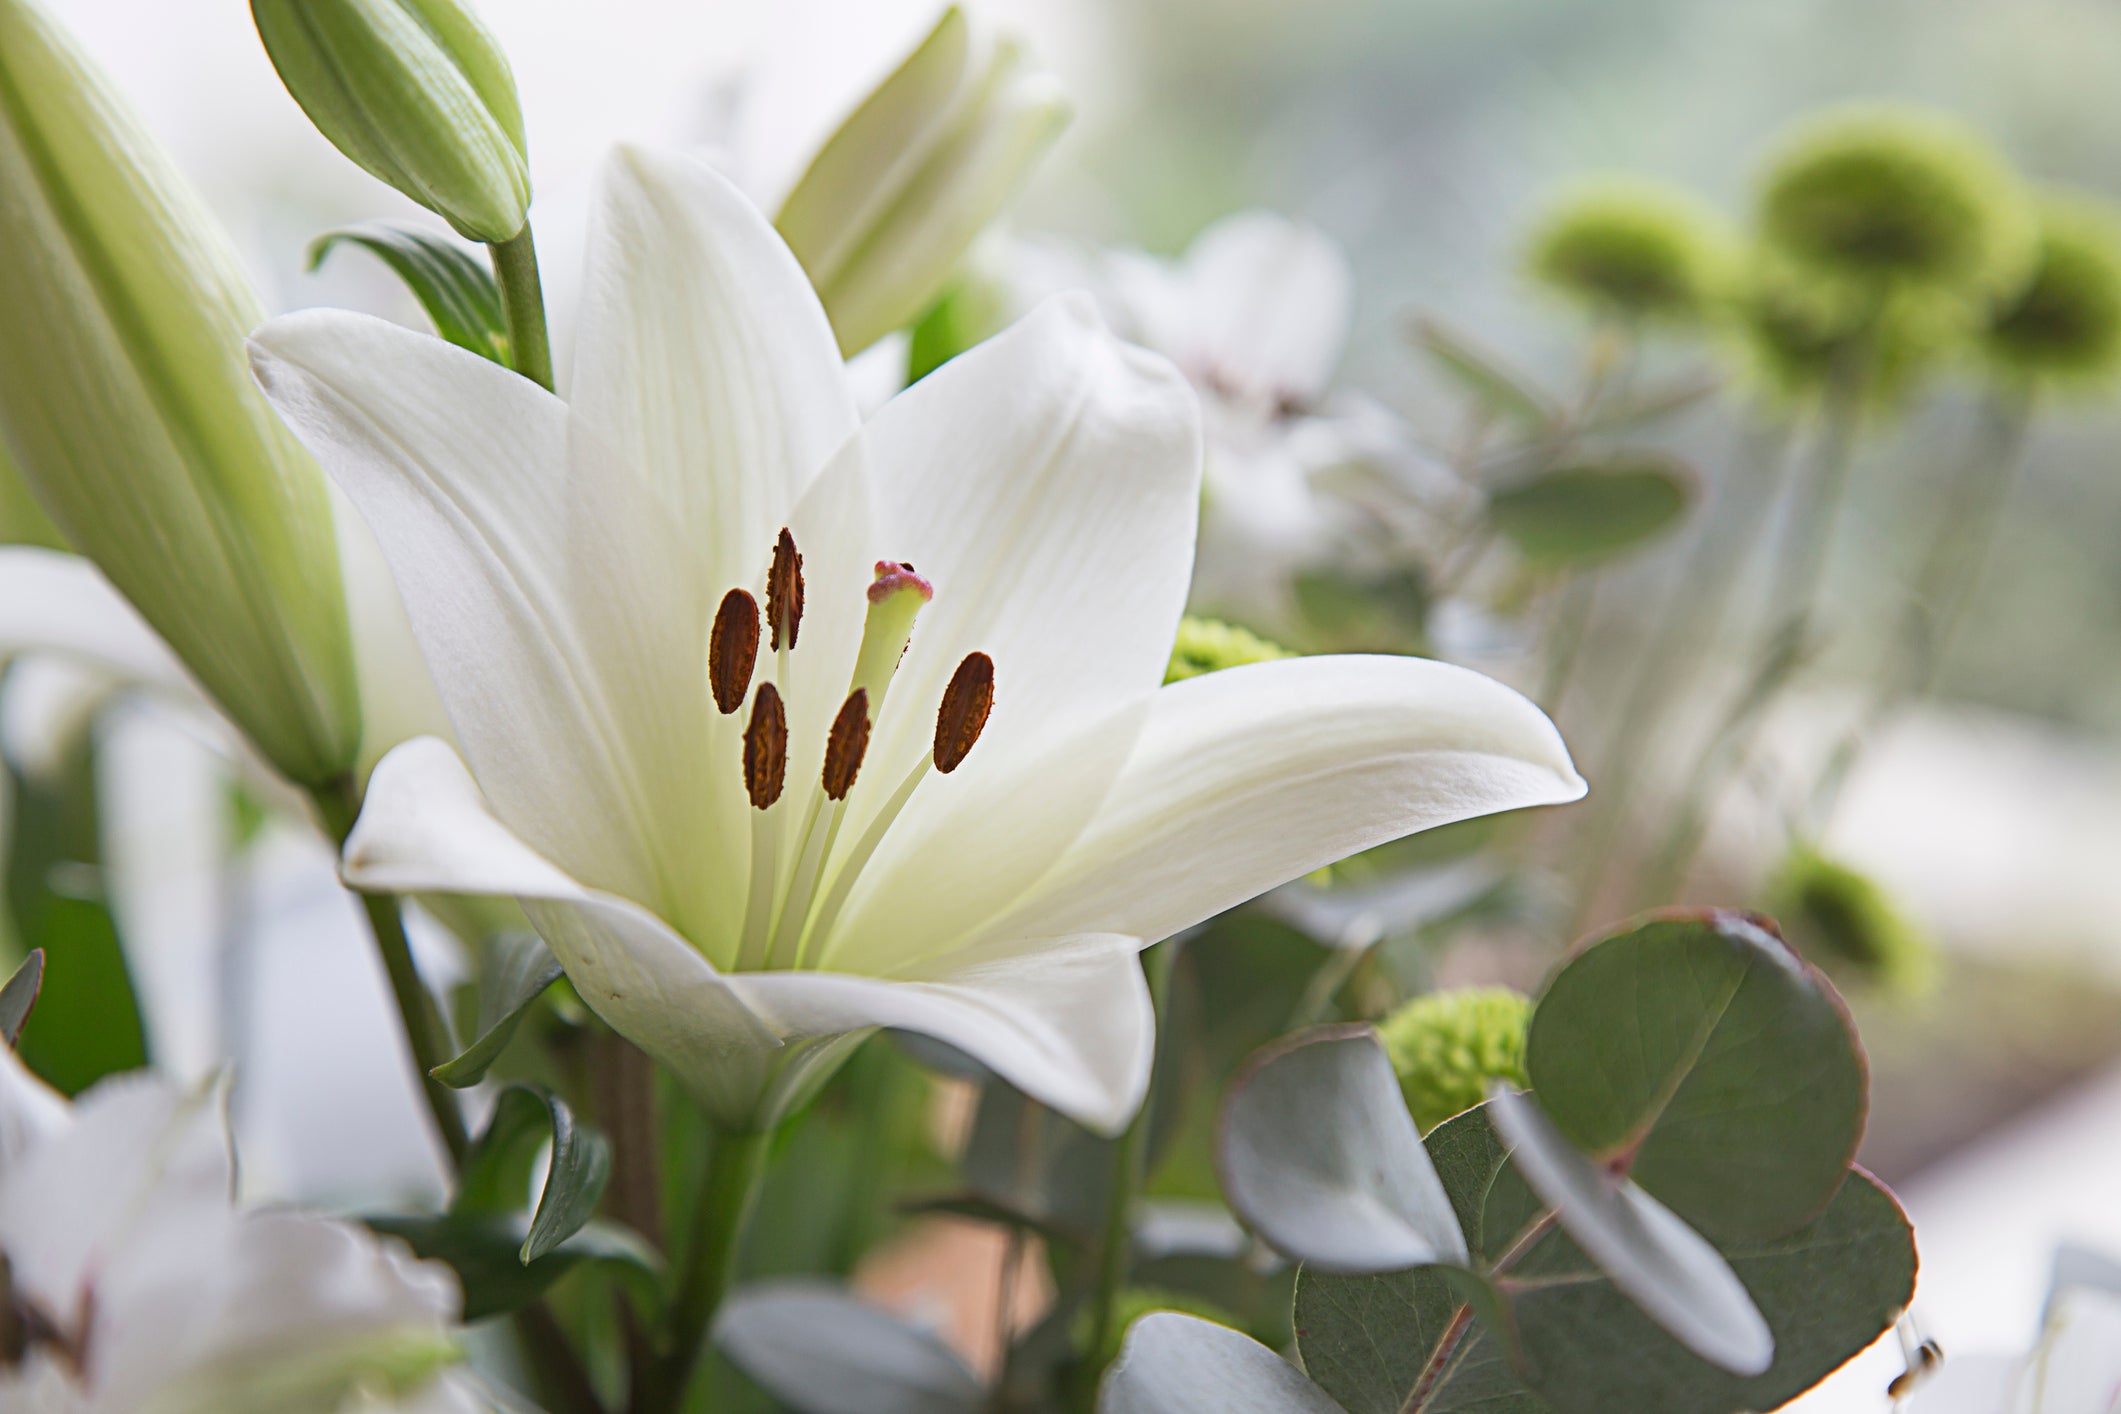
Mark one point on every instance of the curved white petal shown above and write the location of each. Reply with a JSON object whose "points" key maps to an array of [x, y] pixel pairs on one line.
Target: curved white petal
{"points": [[1067, 1021], [53, 602], [1177, 1364], [426, 829], [1247, 778], [703, 358], [556, 610], [30, 1110], [1267, 302]]}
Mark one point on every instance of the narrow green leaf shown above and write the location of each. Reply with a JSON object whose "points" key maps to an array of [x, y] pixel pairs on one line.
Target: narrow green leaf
{"points": [[1500, 389], [496, 1178], [1586, 514], [1735, 1087], [456, 290], [486, 1252], [20, 994], [518, 968]]}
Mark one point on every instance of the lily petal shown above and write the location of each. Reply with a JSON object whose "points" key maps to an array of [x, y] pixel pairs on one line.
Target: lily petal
{"points": [[54, 602], [1250, 777], [704, 359], [426, 828], [1067, 1021], [1268, 301], [557, 615]]}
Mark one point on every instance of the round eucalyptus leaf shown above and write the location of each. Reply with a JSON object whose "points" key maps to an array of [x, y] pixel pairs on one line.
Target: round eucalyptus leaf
{"points": [[1662, 1265], [1319, 1156], [1582, 515], [1701, 1053], [1174, 1364], [820, 1351]]}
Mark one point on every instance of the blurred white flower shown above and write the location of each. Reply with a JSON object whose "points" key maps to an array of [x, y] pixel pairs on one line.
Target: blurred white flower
{"points": [[717, 890], [133, 1286]]}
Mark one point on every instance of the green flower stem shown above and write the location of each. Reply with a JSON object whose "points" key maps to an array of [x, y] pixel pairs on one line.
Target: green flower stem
{"points": [[1130, 1161], [515, 269], [339, 803], [733, 1174]]}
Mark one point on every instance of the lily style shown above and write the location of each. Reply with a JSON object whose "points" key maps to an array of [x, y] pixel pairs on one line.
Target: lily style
{"points": [[783, 727], [129, 1283]]}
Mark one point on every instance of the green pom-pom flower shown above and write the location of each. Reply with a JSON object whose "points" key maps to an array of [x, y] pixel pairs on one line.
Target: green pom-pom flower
{"points": [[1210, 645], [1797, 334], [2064, 323], [1631, 249], [1447, 1047], [1884, 198], [1843, 920]]}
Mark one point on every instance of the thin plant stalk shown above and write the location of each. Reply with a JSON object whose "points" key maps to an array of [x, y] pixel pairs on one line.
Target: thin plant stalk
{"points": [[515, 270], [734, 1171]]}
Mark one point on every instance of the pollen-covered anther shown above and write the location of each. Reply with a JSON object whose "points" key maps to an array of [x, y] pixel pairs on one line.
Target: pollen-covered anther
{"points": [[963, 715], [733, 650], [846, 745], [766, 747], [784, 591]]}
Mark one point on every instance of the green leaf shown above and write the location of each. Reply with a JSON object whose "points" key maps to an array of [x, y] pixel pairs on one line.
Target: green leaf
{"points": [[20, 994], [486, 1252], [1497, 388], [1368, 1341], [496, 1178], [1698, 1047], [1586, 514], [518, 968], [456, 290]]}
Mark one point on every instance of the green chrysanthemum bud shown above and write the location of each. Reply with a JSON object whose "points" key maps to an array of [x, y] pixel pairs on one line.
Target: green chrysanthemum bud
{"points": [[900, 191], [1845, 921], [1799, 333], [2064, 323], [127, 405], [1210, 645], [1886, 198], [1447, 1047], [1135, 1302], [1631, 249], [415, 91]]}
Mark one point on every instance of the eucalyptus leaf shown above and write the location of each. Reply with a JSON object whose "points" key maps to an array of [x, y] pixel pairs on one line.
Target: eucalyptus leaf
{"points": [[1498, 389], [1175, 1364], [1735, 1089], [452, 285], [1370, 1341], [495, 1180], [1582, 515], [486, 1252], [518, 967], [820, 1351], [1319, 1156], [1664, 1266], [20, 994]]}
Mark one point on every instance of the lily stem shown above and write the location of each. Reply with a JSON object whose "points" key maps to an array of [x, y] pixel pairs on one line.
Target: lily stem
{"points": [[1129, 1167], [733, 1173], [515, 270], [339, 803]]}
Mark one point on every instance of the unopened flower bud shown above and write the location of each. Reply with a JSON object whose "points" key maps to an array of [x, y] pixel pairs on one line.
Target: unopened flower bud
{"points": [[1842, 920], [415, 91], [894, 198], [126, 403], [1449, 1047], [2064, 323], [1631, 249]]}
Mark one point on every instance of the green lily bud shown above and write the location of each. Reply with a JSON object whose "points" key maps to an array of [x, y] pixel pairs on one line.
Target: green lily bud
{"points": [[22, 520], [1632, 249], [1448, 1047], [894, 198], [1210, 645], [2064, 325], [127, 405], [415, 91]]}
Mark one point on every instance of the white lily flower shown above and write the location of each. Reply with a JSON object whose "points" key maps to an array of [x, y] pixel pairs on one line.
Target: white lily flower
{"points": [[135, 1287], [723, 887]]}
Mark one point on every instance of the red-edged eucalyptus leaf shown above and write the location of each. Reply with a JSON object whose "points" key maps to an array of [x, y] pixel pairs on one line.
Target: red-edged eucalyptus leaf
{"points": [[486, 1252], [517, 969], [1495, 387], [496, 1178], [1318, 1155], [456, 290], [1174, 1364], [1586, 514], [818, 1350], [1665, 1267], [1701, 1050], [1372, 1341], [20, 994]]}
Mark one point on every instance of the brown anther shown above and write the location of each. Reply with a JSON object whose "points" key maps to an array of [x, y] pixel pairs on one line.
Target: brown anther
{"points": [[847, 744], [766, 747], [963, 715], [733, 650], [784, 591]]}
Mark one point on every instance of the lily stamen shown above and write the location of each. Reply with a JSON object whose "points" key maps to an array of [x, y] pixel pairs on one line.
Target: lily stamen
{"points": [[765, 772], [733, 650], [847, 744], [784, 592], [963, 714]]}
